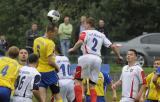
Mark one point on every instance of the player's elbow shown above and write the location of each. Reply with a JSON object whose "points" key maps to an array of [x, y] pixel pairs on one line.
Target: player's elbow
{"points": [[113, 46]]}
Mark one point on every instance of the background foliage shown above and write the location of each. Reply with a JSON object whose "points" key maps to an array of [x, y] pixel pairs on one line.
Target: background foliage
{"points": [[127, 18]]}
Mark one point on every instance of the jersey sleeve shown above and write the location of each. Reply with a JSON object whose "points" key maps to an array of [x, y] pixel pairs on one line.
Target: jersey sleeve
{"points": [[141, 75], [50, 48], [36, 82], [158, 71], [82, 36], [106, 42], [107, 78]]}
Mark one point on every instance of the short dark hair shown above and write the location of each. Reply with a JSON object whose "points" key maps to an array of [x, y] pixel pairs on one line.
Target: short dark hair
{"points": [[13, 52], [91, 21], [133, 50], [33, 58], [157, 58], [51, 27]]}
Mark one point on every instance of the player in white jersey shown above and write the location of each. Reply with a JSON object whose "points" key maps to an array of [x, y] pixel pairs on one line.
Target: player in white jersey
{"points": [[132, 79], [89, 63], [28, 81], [66, 81]]}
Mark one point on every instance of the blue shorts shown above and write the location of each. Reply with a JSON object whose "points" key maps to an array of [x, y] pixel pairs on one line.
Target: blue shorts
{"points": [[5, 94], [99, 99], [151, 101], [48, 79]]}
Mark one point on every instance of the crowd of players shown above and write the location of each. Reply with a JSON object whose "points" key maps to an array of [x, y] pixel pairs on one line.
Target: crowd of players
{"points": [[47, 68]]}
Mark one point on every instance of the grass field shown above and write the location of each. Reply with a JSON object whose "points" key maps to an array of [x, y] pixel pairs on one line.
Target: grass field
{"points": [[114, 68]]}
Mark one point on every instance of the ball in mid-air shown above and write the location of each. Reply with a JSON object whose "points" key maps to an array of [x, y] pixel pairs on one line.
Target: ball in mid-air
{"points": [[53, 15]]}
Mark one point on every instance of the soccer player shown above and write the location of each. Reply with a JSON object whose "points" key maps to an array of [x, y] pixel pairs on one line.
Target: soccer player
{"points": [[90, 62], [44, 48], [23, 56], [103, 80], [153, 84], [9, 69], [132, 79], [28, 81], [66, 81]]}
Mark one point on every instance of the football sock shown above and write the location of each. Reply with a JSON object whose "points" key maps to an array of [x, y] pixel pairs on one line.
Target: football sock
{"points": [[78, 93], [93, 95]]}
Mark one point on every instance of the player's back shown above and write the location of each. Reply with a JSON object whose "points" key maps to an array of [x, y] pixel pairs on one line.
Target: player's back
{"points": [[93, 41], [64, 65], [43, 47], [8, 72], [26, 81]]}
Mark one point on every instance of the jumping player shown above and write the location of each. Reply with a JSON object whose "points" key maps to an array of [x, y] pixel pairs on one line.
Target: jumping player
{"points": [[90, 62], [44, 48]]}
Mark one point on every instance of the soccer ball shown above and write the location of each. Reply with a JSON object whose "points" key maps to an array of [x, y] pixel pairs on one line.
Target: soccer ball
{"points": [[53, 15]]}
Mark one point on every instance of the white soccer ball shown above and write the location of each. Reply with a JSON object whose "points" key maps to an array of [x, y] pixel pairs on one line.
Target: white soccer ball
{"points": [[53, 15]]}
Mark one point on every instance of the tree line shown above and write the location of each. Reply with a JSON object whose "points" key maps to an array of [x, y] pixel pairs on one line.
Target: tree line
{"points": [[127, 18]]}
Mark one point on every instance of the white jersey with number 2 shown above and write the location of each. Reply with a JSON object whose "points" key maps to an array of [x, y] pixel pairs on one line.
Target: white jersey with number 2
{"points": [[93, 41]]}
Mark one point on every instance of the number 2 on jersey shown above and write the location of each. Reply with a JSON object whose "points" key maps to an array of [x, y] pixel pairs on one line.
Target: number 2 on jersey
{"points": [[95, 42]]}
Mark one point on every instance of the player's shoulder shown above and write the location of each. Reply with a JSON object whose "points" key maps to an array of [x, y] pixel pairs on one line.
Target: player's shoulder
{"points": [[125, 67], [138, 67], [150, 75], [31, 70], [39, 38]]}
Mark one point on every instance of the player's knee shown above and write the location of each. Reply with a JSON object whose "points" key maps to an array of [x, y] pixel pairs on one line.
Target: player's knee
{"points": [[55, 88]]}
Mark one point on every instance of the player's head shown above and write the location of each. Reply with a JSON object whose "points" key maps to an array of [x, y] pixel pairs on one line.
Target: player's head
{"points": [[131, 55], [33, 59], [156, 63], [90, 23], [13, 52], [51, 30], [23, 55]]}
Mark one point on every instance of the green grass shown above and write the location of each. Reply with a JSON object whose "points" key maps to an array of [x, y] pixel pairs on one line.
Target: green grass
{"points": [[114, 68]]}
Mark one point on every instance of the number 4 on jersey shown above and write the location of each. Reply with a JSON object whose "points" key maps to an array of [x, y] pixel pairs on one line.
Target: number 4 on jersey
{"points": [[4, 70]]}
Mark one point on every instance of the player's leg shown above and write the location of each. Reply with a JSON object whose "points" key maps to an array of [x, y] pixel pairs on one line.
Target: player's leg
{"points": [[43, 86], [70, 92], [63, 89], [56, 93], [43, 93], [81, 72], [55, 89], [94, 71]]}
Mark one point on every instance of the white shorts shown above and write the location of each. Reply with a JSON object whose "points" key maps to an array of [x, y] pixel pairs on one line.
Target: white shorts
{"points": [[67, 89], [20, 99], [90, 65], [125, 99]]}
